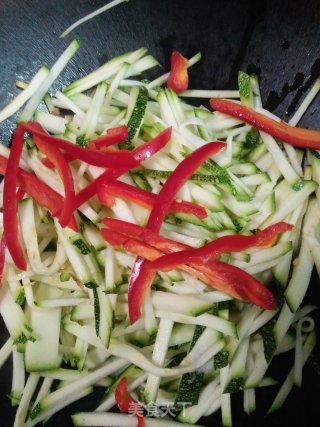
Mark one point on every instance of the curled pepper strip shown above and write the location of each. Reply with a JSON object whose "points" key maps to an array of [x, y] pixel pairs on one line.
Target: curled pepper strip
{"points": [[114, 158], [112, 188], [299, 137], [218, 275], [148, 149], [126, 402], [10, 203], [178, 78], [39, 191], [56, 157], [138, 284]]}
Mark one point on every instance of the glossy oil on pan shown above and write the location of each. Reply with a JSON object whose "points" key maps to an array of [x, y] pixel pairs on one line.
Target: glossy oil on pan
{"points": [[278, 40]]}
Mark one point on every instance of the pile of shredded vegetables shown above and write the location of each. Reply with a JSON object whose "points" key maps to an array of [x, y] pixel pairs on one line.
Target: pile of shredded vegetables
{"points": [[153, 246]]}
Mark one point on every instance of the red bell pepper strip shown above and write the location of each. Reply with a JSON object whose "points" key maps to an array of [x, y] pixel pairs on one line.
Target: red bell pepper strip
{"points": [[105, 198], [161, 243], [131, 244], [146, 199], [20, 194], [123, 398], [2, 256], [39, 191], [10, 203], [56, 157], [148, 149], [47, 163], [212, 250], [218, 275], [138, 286], [178, 78], [177, 179], [237, 283], [264, 238], [126, 402], [113, 136], [299, 137], [269, 236], [141, 241], [114, 158]]}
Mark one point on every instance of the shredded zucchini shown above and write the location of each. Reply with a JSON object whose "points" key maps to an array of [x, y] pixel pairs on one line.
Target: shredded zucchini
{"points": [[194, 347]]}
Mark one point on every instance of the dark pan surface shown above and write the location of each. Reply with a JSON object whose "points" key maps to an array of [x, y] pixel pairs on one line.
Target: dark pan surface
{"points": [[278, 40]]}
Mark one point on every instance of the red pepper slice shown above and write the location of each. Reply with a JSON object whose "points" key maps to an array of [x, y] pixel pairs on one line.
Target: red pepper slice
{"points": [[237, 283], [114, 158], [39, 191], [214, 249], [20, 194], [153, 246], [131, 244], [140, 154], [178, 78], [47, 163], [150, 148], [218, 275], [298, 137], [138, 286], [126, 402], [146, 199], [161, 243], [113, 136], [177, 179], [2, 256], [56, 157], [10, 203]]}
